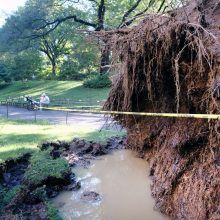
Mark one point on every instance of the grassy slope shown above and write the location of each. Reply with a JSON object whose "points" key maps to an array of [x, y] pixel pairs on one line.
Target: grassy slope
{"points": [[18, 137], [55, 89]]}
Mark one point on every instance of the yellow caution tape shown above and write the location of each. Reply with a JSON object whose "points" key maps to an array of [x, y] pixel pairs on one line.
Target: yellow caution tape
{"points": [[170, 115]]}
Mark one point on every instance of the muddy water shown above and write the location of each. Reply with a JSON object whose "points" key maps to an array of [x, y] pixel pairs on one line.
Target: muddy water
{"points": [[122, 181]]}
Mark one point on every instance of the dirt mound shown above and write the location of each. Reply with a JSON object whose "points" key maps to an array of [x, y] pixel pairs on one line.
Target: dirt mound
{"points": [[79, 152], [171, 64]]}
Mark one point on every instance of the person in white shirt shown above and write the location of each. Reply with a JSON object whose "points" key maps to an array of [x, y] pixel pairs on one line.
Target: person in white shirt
{"points": [[44, 100]]}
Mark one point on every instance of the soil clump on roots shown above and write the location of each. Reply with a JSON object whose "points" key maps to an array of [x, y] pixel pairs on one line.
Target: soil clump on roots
{"points": [[172, 64]]}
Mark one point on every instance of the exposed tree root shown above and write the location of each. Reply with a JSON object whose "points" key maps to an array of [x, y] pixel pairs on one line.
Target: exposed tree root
{"points": [[172, 64]]}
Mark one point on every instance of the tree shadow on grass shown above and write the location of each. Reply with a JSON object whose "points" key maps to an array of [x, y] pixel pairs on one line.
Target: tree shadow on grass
{"points": [[16, 139], [14, 145], [84, 94]]}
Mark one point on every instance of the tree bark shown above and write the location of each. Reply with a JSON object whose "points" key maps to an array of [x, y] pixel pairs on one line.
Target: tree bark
{"points": [[54, 69], [105, 60]]}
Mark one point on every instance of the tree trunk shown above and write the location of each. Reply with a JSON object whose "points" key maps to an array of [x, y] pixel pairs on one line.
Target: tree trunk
{"points": [[105, 60], [54, 68]]}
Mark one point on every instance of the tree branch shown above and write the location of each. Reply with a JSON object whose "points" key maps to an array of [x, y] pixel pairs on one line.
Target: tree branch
{"points": [[130, 10], [130, 21], [74, 17], [55, 23], [161, 6]]}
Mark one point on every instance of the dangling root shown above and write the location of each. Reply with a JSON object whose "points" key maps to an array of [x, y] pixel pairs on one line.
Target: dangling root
{"points": [[168, 64]]}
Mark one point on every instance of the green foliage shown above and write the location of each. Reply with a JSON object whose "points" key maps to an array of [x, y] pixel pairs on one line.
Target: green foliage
{"points": [[4, 74], [67, 52], [81, 61], [69, 71], [18, 66], [4, 84], [6, 196], [99, 81], [43, 166], [52, 212]]}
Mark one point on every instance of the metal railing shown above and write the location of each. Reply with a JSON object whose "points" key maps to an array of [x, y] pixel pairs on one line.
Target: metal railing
{"points": [[9, 109], [83, 104]]}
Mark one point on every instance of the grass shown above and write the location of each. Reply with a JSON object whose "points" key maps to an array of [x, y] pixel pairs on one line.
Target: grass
{"points": [[42, 166], [53, 212], [55, 89], [19, 136], [6, 196]]}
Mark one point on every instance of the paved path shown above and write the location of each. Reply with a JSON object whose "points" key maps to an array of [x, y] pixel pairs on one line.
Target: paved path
{"points": [[58, 117]]}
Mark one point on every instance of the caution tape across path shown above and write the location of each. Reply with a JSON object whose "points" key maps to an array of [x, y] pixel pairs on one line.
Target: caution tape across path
{"points": [[169, 115]]}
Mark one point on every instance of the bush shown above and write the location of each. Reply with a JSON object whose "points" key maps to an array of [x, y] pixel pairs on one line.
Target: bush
{"points": [[98, 81], [78, 76], [4, 84]]}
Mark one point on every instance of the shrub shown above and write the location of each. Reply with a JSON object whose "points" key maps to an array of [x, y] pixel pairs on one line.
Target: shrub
{"points": [[78, 76], [98, 81], [4, 84]]}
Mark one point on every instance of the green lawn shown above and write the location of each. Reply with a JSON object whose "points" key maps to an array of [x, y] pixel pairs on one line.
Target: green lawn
{"points": [[55, 89], [18, 137]]}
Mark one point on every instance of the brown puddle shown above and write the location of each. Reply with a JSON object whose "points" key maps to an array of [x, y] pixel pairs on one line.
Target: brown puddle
{"points": [[122, 181]]}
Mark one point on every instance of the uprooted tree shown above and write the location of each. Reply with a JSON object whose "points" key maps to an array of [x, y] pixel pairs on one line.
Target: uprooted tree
{"points": [[172, 64]]}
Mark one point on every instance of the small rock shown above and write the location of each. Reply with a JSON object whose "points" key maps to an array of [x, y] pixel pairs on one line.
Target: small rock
{"points": [[90, 196]]}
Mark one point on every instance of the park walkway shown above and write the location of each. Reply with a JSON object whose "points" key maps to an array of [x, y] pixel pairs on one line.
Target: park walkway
{"points": [[97, 121]]}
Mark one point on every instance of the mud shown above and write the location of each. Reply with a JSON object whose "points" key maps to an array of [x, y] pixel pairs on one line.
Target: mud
{"points": [[12, 171]]}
